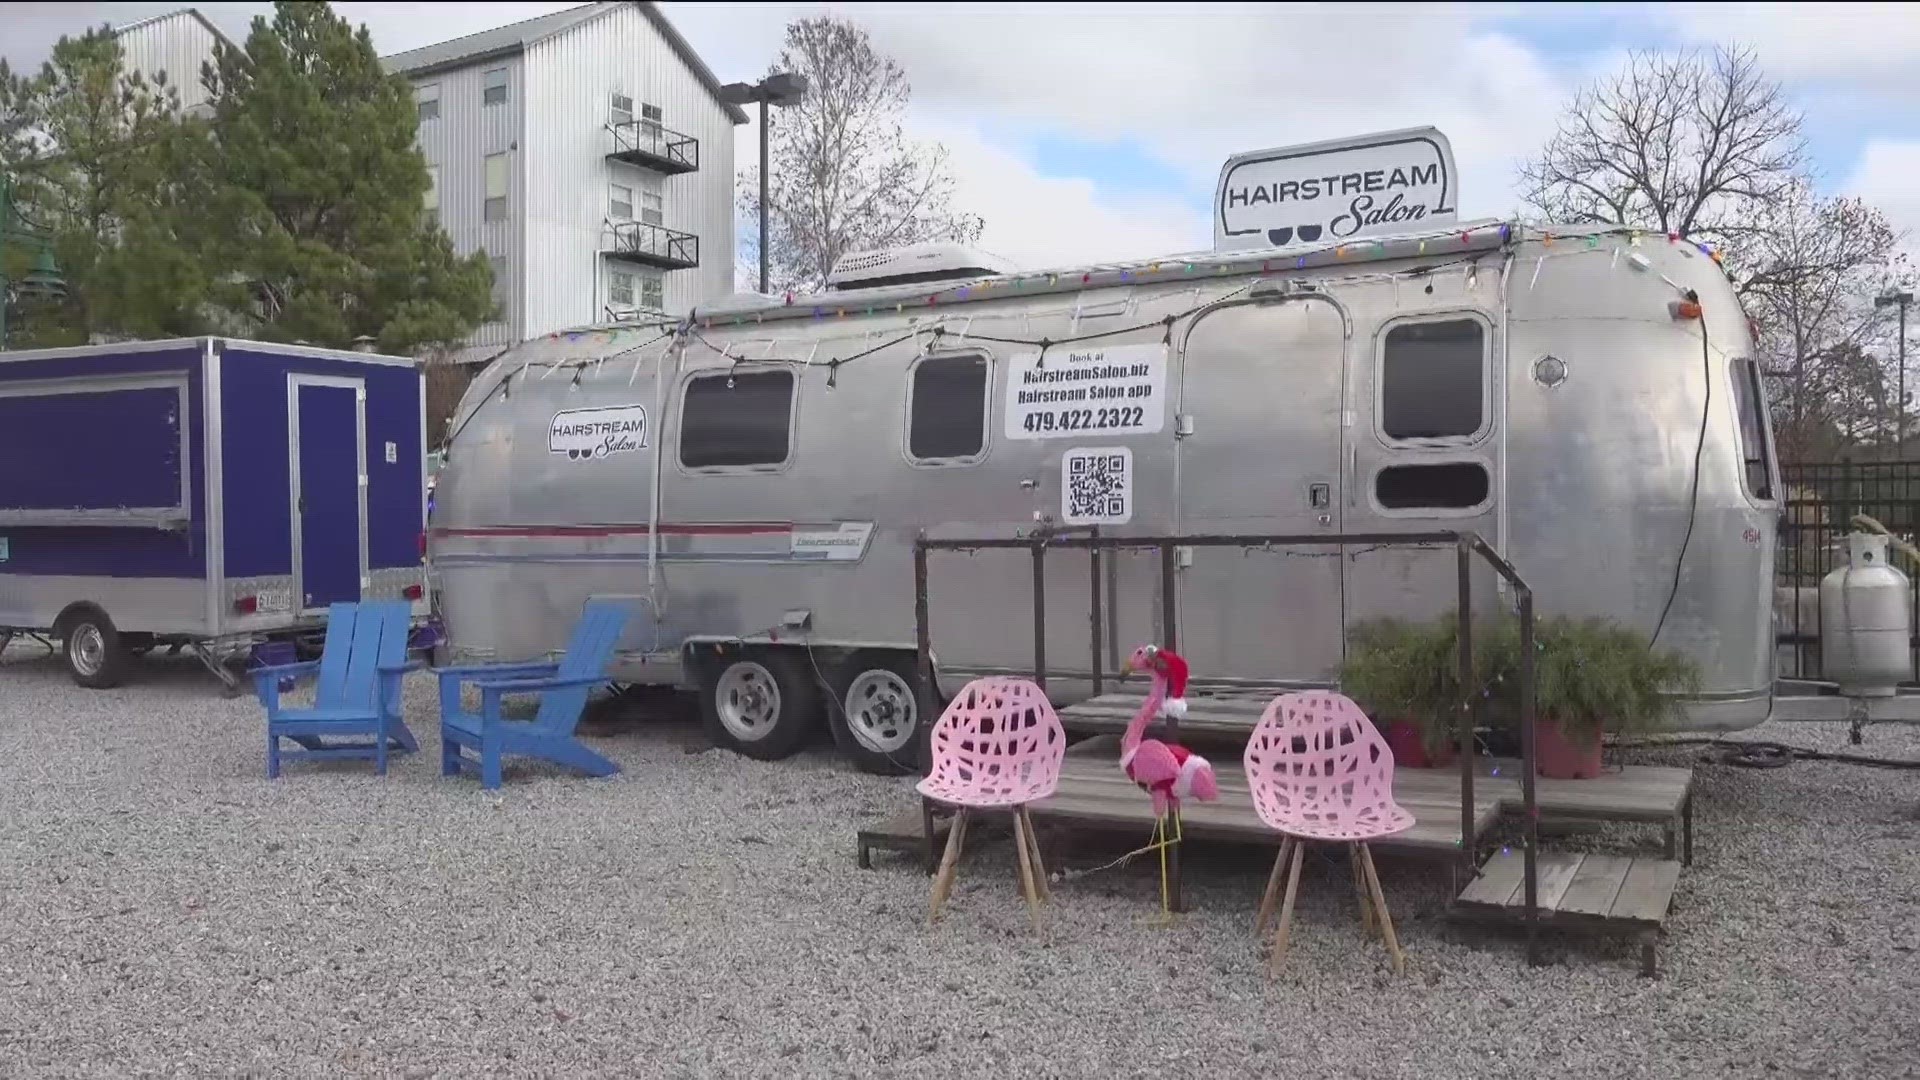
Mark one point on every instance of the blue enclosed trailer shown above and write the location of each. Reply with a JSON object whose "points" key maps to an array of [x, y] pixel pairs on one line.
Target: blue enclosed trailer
{"points": [[204, 493]]}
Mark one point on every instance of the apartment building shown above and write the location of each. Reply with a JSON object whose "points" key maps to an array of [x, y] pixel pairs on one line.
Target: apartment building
{"points": [[589, 154], [173, 45]]}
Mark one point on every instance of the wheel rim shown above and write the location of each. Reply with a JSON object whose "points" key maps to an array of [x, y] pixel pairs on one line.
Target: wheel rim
{"points": [[748, 701], [87, 649], [881, 711]]}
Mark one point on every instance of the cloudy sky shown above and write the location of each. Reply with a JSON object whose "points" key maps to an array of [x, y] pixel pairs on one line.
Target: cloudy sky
{"points": [[1084, 132]]}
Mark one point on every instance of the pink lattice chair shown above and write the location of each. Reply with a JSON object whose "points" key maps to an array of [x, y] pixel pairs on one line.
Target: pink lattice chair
{"points": [[998, 746], [1320, 772]]}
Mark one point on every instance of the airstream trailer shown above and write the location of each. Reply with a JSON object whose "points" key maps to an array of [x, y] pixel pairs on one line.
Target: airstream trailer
{"points": [[755, 476]]}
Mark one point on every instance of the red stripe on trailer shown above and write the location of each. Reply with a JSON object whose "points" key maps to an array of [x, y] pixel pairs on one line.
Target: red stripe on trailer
{"points": [[744, 528]]}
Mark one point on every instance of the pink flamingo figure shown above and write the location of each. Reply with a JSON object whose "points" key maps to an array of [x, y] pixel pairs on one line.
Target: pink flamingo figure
{"points": [[1168, 771]]}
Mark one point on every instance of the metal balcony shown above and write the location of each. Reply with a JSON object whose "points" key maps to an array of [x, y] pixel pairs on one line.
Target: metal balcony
{"points": [[648, 145], [648, 244]]}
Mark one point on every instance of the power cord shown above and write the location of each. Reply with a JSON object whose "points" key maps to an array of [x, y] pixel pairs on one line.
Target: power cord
{"points": [[1699, 449]]}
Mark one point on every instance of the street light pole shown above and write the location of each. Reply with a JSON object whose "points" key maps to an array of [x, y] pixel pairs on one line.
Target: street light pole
{"points": [[763, 194], [1900, 300], [782, 88]]}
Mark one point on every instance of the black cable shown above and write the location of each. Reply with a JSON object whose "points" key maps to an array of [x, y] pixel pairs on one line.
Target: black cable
{"points": [[1699, 448], [1766, 755]]}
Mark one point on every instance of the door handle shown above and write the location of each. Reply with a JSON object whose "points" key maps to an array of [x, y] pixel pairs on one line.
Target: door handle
{"points": [[1319, 496]]}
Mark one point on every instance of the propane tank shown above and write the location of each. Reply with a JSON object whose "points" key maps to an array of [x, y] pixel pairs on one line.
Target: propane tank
{"points": [[1864, 627]]}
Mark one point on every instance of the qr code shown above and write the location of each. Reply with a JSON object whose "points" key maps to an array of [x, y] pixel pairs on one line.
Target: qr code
{"points": [[1098, 486]]}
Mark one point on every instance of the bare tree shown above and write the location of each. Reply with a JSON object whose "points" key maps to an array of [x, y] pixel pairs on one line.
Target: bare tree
{"points": [[1705, 145], [845, 177], [1809, 282], [1684, 142]]}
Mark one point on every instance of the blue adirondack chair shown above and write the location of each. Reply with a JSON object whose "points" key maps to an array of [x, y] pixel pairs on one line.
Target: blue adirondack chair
{"points": [[562, 686], [358, 693]]}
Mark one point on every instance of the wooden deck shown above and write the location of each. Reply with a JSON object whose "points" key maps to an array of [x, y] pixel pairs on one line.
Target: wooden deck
{"points": [[1638, 793], [1094, 792]]}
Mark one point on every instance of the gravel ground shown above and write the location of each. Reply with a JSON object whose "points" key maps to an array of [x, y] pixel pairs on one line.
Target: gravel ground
{"points": [[168, 911]]}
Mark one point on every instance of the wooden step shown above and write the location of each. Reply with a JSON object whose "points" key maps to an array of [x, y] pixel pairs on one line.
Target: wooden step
{"points": [[1604, 893]]}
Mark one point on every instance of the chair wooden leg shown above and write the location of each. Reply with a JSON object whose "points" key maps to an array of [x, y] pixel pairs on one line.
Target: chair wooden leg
{"points": [[1033, 855], [1273, 887], [949, 864], [1021, 852], [1380, 908], [1360, 889], [1286, 911]]}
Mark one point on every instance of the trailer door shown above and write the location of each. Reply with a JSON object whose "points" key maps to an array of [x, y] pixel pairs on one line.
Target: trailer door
{"points": [[327, 440], [1424, 458], [1260, 386]]}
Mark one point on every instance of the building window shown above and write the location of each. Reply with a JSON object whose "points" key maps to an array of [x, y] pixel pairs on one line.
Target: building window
{"points": [[650, 119], [947, 409], [653, 292], [1751, 401], [496, 205], [652, 208], [1432, 383], [1452, 485], [621, 108], [494, 87], [620, 204], [499, 265], [427, 100], [737, 419], [620, 291], [430, 202]]}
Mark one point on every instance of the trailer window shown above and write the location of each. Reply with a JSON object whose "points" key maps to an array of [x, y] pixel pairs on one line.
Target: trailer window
{"points": [[738, 419], [947, 409], [1431, 380], [1750, 399], [1452, 485]]}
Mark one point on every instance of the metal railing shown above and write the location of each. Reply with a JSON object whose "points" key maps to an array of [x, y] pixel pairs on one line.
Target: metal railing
{"points": [[649, 138], [644, 239], [1466, 547], [1821, 498]]}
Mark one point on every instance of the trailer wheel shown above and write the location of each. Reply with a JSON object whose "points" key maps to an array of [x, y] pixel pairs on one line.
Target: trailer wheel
{"points": [[762, 704], [875, 716], [95, 656]]}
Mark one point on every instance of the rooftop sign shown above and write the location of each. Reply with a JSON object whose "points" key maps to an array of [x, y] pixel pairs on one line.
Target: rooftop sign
{"points": [[1327, 192]]}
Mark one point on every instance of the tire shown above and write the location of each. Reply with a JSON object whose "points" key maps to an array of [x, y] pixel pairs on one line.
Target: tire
{"points": [[95, 656], [875, 714], [761, 703]]}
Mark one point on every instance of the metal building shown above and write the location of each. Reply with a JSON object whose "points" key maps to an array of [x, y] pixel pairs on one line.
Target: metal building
{"points": [[589, 155], [174, 45]]}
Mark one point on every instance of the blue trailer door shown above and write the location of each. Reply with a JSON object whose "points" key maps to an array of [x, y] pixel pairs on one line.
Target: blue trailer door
{"points": [[328, 444]]}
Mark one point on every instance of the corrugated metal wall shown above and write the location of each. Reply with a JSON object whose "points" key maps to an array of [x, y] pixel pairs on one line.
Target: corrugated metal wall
{"points": [[176, 44], [570, 78], [459, 141]]}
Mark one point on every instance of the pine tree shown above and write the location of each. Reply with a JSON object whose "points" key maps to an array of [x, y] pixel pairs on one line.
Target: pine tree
{"points": [[317, 189], [97, 157]]}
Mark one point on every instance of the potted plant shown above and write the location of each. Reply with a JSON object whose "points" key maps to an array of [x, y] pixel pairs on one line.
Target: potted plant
{"points": [[1591, 676], [1406, 675]]}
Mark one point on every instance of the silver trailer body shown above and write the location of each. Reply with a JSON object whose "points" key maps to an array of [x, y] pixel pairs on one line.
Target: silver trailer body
{"points": [[1545, 390]]}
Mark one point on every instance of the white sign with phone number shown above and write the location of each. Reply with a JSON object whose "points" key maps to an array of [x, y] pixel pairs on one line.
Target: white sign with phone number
{"points": [[1075, 391]]}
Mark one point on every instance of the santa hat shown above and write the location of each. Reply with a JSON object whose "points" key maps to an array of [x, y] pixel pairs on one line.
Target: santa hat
{"points": [[1174, 668]]}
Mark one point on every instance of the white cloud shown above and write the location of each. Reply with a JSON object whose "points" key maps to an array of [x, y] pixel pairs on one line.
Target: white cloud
{"points": [[1039, 221], [1866, 46], [1186, 86]]}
